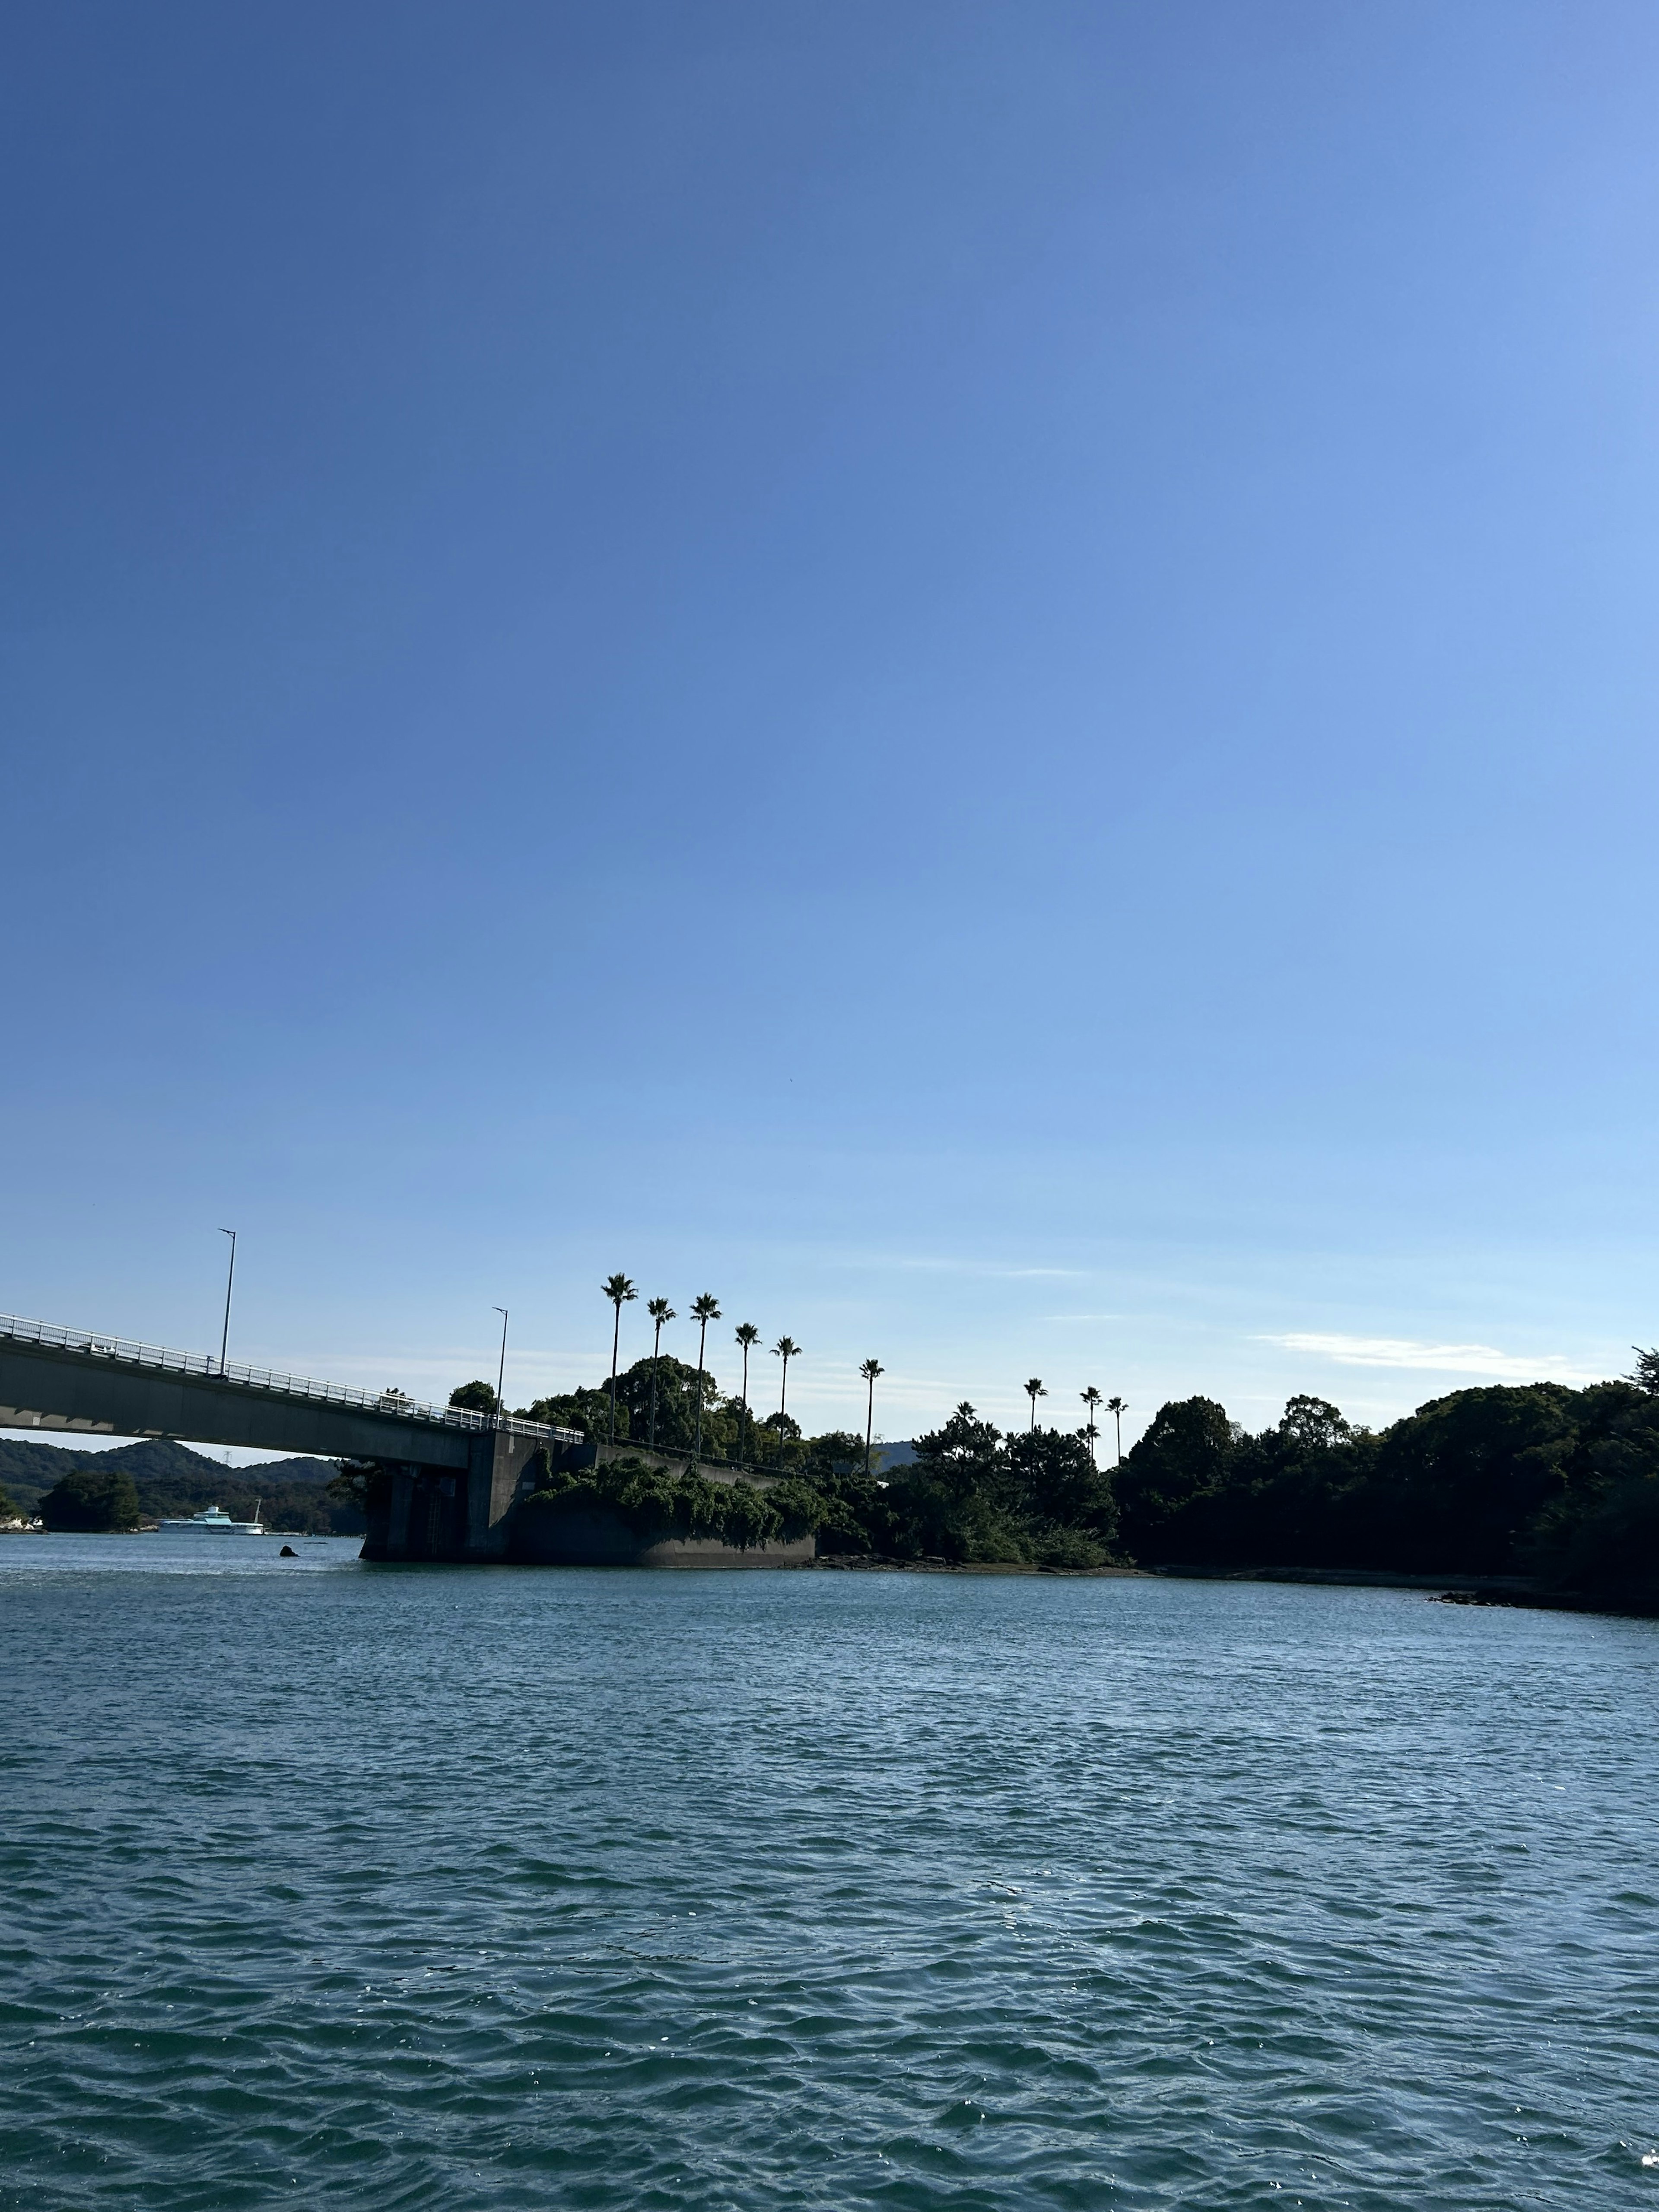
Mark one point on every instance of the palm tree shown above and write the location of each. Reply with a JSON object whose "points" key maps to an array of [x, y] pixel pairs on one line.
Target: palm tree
{"points": [[703, 1310], [870, 1369], [1091, 1398], [1034, 1390], [619, 1291], [660, 1312], [1117, 1409], [785, 1349], [748, 1335]]}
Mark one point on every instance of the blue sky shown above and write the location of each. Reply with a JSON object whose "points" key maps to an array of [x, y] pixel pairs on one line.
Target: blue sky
{"points": [[981, 676]]}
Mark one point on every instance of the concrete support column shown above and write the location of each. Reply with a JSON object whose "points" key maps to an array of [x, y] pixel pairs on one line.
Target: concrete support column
{"points": [[498, 1459]]}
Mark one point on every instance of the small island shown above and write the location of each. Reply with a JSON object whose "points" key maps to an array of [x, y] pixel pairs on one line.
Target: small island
{"points": [[1535, 1492]]}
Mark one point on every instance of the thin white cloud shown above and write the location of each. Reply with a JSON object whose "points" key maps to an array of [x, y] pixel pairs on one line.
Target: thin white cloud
{"points": [[981, 1269], [1484, 1359]]}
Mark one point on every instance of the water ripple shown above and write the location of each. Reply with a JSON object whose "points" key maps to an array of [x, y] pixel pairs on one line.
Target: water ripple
{"points": [[353, 1887]]}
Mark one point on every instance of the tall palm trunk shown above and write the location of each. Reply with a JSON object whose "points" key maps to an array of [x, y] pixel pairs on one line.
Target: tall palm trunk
{"points": [[785, 1349], [696, 1445], [870, 1369], [656, 1350], [620, 1291], [616, 1340], [662, 1314], [747, 1337], [704, 1309]]}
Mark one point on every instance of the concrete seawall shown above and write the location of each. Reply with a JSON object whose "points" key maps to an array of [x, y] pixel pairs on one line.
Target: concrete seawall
{"points": [[473, 1517], [584, 1538]]}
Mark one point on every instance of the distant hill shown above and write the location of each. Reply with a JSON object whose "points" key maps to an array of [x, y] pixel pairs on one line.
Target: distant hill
{"points": [[886, 1456], [171, 1479]]}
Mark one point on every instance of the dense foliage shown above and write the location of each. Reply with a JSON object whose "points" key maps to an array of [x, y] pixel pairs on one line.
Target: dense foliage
{"points": [[756, 1439], [654, 1501], [972, 1494], [1535, 1479], [92, 1499]]}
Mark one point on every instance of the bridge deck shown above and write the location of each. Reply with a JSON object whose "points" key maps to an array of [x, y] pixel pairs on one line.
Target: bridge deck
{"points": [[93, 1384]]}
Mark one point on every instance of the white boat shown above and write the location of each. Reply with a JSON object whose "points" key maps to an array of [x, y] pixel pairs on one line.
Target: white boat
{"points": [[215, 1520]]}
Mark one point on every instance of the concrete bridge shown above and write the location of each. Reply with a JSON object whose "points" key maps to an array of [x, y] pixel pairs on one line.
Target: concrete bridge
{"points": [[452, 1476]]}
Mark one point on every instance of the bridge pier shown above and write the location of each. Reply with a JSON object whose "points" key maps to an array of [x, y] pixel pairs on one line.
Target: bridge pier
{"points": [[447, 1513]]}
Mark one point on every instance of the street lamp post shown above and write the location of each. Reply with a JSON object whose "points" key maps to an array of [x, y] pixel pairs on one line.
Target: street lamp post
{"points": [[501, 1372], [230, 1281]]}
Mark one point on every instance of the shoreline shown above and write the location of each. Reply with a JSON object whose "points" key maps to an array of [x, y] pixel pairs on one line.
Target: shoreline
{"points": [[1509, 1590], [870, 1562]]}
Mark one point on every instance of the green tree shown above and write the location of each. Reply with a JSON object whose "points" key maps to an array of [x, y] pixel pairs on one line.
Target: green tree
{"points": [[361, 1486], [1458, 1482], [9, 1509], [705, 1308], [1034, 1390], [621, 1293], [785, 1349], [677, 1387], [1091, 1398], [956, 1500], [870, 1369], [1063, 1500], [92, 1499], [748, 1336], [1117, 1408], [475, 1397], [661, 1313], [1186, 1454], [1312, 1424]]}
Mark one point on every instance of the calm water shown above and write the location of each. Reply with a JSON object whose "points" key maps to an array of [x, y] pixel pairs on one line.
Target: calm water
{"points": [[333, 1885]]}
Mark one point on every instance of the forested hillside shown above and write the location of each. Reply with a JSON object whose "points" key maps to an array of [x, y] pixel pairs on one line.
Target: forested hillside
{"points": [[1539, 1480], [170, 1479], [1557, 1484]]}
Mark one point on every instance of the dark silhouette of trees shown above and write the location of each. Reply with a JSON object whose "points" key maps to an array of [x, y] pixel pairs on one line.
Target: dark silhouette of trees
{"points": [[1511, 1480], [91, 1500], [1184, 1455], [1536, 1480], [1034, 1390], [1091, 1398]]}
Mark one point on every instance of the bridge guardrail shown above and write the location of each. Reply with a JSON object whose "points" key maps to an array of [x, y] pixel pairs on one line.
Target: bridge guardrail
{"points": [[54, 1338]]}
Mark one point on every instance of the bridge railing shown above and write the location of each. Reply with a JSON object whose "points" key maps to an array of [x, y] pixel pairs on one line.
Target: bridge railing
{"points": [[49, 1334]]}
